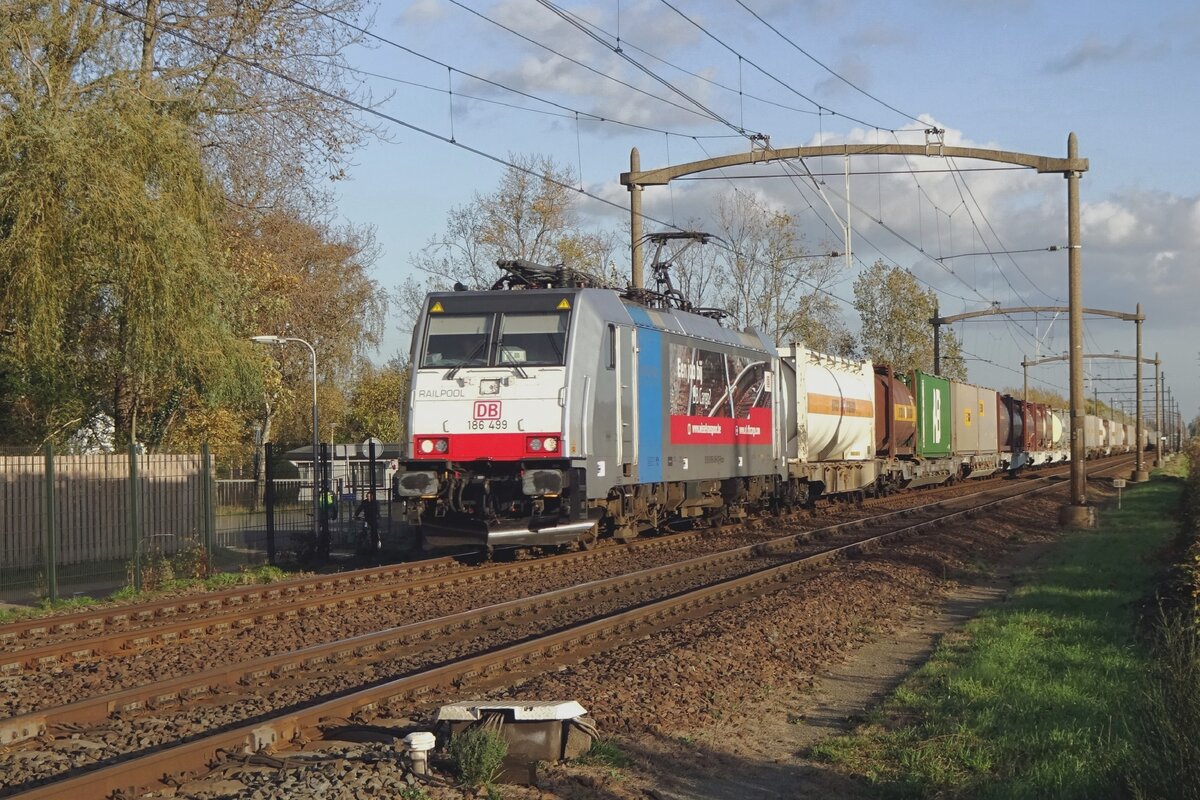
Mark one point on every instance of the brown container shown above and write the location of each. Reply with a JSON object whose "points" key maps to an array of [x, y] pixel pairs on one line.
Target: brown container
{"points": [[895, 415], [1004, 424], [1045, 429], [1024, 424]]}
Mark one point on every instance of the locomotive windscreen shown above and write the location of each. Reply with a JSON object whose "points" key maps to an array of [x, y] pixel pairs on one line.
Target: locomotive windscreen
{"points": [[503, 339]]}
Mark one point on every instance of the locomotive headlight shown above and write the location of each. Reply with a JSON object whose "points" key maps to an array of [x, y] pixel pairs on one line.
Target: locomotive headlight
{"points": [[551, 444], [427, 446], [535, 445], [442, 445]]}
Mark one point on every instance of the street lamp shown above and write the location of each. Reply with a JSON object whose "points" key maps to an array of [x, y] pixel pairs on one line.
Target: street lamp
{"points": [[316, 459]]}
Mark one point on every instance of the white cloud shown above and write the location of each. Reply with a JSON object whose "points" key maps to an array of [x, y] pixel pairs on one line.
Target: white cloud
{"points": [[1108, 223], [422, 12]]}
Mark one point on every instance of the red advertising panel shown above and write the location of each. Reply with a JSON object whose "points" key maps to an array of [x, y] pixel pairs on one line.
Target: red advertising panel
{"points": [[718, 398]]}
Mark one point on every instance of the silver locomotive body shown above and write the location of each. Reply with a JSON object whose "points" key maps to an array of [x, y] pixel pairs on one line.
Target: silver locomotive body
{"points": [[542, 416]]}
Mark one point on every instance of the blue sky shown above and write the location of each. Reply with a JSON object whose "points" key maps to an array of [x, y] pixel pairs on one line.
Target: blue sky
{"points": [[1016, 75]]}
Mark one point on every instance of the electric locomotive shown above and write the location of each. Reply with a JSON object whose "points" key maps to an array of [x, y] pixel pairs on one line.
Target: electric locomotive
{"points": [[556, 411]]}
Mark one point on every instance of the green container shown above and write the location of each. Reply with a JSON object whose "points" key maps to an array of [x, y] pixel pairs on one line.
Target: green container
{"points": [[934, 432]]}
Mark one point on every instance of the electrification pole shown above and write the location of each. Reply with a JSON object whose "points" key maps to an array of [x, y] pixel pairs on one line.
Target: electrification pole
{"points": [[1139, 471], [1077, 513]]}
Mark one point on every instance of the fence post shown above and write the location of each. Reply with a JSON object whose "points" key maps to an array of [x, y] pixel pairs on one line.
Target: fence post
{"points": [[206, 487], [135, 517], [269, 500], [50, 545]]}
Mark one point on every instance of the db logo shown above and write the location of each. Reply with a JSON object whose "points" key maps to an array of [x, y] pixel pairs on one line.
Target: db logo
{"points": [[487, 409]]}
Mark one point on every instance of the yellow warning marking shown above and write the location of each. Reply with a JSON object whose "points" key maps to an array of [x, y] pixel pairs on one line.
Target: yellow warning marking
{"points": [[436, 308], [564, 305]]}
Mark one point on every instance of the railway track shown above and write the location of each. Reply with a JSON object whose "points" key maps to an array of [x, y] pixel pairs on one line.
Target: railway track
{"points": [[28, 644], [507, 638]]}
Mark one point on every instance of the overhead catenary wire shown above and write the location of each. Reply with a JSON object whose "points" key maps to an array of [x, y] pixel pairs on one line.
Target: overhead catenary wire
{"points": [[589, 29], [823, 66], [601, 73], [954, 164], [396, 120], [565, 16], [567, 112], [490, 82], [408, 125], [365, 109], [626, 43], [766, 73]]}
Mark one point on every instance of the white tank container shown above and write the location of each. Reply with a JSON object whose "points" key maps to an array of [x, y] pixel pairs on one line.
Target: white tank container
{"points": [[835, 406], [1057, 428]]}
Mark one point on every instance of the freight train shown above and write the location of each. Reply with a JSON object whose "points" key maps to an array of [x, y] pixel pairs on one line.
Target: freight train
{"points": [[547, 412]]}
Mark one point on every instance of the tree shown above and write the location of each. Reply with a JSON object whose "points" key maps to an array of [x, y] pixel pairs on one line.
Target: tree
{"points": [[262, 83], [305, 278], [771, 281], [102, 259], [376, 401], [530, 215], [120, 130], [895, 313], [1036, 395]]}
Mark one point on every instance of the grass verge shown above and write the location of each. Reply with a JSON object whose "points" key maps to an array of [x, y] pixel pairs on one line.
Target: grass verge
{"points": [[127, 594], [1037, 696]]}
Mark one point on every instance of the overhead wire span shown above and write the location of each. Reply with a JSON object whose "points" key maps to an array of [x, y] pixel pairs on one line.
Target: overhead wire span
{"points": [[566, 17], [366, 109], [568, 112], [953, 162], [823, 66], [766, 73], [416, 128], [579, 63]]}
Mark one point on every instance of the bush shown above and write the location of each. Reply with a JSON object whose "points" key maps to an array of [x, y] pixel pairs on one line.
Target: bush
{"points": [[478, 755], [191, 562], [1166, 762], [156, 571]]}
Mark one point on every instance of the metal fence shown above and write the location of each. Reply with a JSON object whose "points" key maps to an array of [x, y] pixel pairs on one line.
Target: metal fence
{"points": [[90, 524]]}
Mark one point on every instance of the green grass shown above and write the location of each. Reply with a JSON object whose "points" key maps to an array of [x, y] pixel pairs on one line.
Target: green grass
{"points": [[1036, 697], [45, 607], [605, 752], [478, 754], [127, 594]]}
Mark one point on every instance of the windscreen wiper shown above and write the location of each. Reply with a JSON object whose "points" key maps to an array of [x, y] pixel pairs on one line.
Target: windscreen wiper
{"points": [[469, 357]]}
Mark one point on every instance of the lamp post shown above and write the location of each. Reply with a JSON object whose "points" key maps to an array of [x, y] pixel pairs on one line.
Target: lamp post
{"points": [[316, 458]]}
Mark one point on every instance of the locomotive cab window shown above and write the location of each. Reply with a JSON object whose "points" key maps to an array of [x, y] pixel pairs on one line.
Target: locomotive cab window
{"points": [[532, 339], [458, 341]]}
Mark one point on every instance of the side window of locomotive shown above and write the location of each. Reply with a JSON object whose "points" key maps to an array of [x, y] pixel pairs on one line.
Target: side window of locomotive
{"points": [[538, 339], [612, 346], [457, 341]]}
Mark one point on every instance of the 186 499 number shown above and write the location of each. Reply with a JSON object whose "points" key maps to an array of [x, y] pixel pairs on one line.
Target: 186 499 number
{"points": [[488, 424]]}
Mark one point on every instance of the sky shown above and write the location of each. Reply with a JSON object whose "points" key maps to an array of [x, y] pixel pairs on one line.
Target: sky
{"points": [[469, 84]]}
